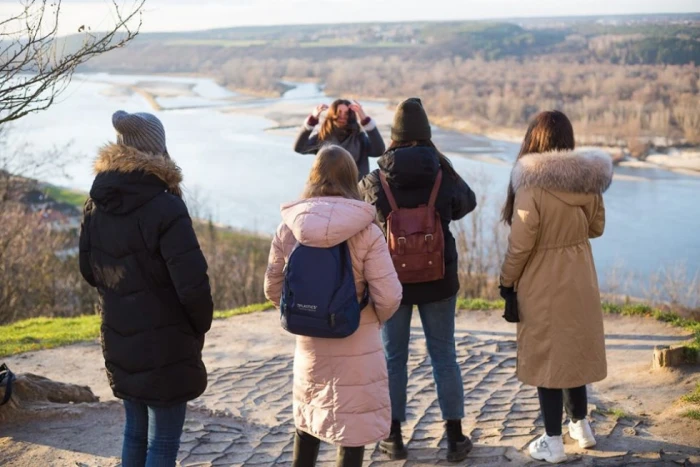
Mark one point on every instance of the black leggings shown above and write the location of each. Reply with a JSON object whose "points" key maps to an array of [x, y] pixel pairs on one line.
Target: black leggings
{"points": [[553, 401], [306, 450]]}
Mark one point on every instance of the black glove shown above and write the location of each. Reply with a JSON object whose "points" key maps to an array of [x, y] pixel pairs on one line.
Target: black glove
{"points": [[511, 298]]}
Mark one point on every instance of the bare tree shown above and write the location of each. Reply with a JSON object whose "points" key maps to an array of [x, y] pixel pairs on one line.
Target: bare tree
{"points": [[36, 65]]}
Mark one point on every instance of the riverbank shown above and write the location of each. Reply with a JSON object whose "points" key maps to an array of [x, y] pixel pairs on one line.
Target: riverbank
{"points": [[287, 116]]}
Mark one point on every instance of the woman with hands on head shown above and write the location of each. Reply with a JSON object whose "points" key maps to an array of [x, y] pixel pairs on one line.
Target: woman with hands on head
{"points": [[347, 125]]}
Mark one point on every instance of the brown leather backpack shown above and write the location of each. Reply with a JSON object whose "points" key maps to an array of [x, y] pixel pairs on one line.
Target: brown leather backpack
{"points": [[415, 237]]}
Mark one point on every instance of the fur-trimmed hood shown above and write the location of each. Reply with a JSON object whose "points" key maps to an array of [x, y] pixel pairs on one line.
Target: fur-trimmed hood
{"points": [[578, 171], [125, 159], [127, 178]]}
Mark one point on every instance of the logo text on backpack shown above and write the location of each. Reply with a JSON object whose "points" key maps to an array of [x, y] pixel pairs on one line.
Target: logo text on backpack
{"points": [[307, 307]]}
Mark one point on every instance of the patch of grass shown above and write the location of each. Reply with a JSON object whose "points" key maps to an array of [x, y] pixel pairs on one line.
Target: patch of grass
{"points": [[217, 42], [47, 333], [245, 310], [692, 349], [615, 412], [693, 397], [693, 414], [618, 413], [479, 304], [66, 195], [350, 43]]}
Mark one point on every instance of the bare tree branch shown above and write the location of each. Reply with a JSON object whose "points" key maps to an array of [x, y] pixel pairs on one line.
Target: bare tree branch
{"points": [[36, 66]]}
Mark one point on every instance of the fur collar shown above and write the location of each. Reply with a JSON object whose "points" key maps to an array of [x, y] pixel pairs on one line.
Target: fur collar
{"points": [[125, 159], [578, 171]]}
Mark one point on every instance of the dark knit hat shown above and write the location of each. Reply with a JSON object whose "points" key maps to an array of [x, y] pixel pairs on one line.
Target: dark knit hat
{"points": [[142, 131], [410, 122]]}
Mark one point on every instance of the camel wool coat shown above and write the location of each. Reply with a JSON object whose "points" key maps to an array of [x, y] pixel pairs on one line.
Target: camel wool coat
{"points": [[341, 386], [558, 208]]}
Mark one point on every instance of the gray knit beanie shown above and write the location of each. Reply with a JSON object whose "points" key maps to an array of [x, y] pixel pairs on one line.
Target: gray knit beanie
{"points": [[142, 131]]}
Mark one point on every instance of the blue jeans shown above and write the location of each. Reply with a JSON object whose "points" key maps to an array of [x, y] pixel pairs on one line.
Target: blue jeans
{"points": [[152, 434], [438, 320]]}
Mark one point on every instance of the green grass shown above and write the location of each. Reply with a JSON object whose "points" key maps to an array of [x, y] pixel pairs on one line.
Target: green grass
{"points": [[691, 349], [47, 333], [245, 310], [615, 412], [217, 42], [693, 397], [474, 304], [350, 43], [66, 195], [693, 414]]}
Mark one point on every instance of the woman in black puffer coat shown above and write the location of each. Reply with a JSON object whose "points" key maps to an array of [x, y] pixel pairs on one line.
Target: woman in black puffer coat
{"points": [[138, 248], [411, 166]]}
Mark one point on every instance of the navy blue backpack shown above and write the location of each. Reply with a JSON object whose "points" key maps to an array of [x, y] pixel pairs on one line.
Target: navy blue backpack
{"points": [[319, 298]]}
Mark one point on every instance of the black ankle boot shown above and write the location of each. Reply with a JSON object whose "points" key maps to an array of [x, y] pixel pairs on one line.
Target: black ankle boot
{"points": [[350, 457], [305, 450], [393, 446], [458, 445]]}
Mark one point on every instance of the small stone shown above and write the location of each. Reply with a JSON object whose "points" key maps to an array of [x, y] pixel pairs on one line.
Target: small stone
{"points": [[629, 431]]}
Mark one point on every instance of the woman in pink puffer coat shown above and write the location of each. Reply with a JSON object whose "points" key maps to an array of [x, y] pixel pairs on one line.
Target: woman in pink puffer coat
{"points": [[341, 388]]}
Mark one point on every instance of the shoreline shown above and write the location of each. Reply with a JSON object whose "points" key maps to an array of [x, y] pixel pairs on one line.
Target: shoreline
{"points": [[285, 116]]}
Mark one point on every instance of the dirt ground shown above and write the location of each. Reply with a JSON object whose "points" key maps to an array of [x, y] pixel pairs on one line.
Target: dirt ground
{"points": [[244, 418]]}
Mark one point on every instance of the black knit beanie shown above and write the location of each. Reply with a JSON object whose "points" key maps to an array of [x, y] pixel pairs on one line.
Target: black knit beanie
{"points": [[410, 122]]}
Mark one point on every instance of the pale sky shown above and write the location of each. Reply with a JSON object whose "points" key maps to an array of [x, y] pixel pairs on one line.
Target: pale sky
{"points": [[183, 15]]}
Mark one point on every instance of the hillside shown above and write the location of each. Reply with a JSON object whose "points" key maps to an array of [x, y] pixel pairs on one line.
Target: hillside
{"points": [[622, 80], [39, 228]]}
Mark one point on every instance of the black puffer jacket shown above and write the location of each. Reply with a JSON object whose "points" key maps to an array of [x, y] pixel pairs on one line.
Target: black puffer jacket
{"points": [[138, 247], [411, 175]]}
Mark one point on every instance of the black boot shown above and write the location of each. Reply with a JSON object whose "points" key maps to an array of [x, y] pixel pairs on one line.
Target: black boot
{"points": [[458, 445], [305, 450], [393, 445], [350, 457]]}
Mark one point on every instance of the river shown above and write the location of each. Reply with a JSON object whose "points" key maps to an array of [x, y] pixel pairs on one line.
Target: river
{"points": [[240, 173]]}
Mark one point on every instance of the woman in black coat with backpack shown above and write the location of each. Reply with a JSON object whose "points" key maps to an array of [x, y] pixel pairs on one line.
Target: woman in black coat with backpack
{"points": [[413, 171], [138, 248]]}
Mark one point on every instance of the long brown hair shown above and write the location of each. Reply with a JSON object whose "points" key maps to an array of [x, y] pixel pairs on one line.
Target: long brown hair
{"points": [[329, 124], [334, 173], [549, 131], [445, 163]]}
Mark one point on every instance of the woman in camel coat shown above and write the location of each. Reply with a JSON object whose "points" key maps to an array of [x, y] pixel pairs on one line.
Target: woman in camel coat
{"points": [[554, 206]]}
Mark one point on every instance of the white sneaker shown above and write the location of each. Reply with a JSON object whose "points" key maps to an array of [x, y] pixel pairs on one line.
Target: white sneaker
{"points": [[581, 432], [549, 449]]}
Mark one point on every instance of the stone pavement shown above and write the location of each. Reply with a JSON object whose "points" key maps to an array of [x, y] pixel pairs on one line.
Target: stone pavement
{"points": [[245, 417]]}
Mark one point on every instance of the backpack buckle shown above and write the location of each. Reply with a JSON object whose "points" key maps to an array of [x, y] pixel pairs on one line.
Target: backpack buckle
{"points": [[402, 242]]}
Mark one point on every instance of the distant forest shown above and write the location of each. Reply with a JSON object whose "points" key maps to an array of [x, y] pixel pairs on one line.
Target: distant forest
{"points": [[622, 80]]}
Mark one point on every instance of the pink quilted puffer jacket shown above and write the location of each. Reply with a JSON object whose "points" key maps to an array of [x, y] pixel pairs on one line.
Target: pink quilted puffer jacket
{"points": [[341, 387]]}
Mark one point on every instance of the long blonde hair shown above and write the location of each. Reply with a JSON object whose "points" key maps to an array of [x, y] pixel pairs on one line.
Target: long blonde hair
{"points": [[334, 173]]}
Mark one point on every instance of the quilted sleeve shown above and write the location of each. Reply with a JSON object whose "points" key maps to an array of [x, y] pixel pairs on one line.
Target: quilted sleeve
{"points": [[187, 266], [274, 274]]}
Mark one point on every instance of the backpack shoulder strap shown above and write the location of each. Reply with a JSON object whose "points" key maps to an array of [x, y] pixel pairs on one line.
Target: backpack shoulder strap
{"points": [[7, 378], [346, 264], [387, 191], [436, 189]]}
